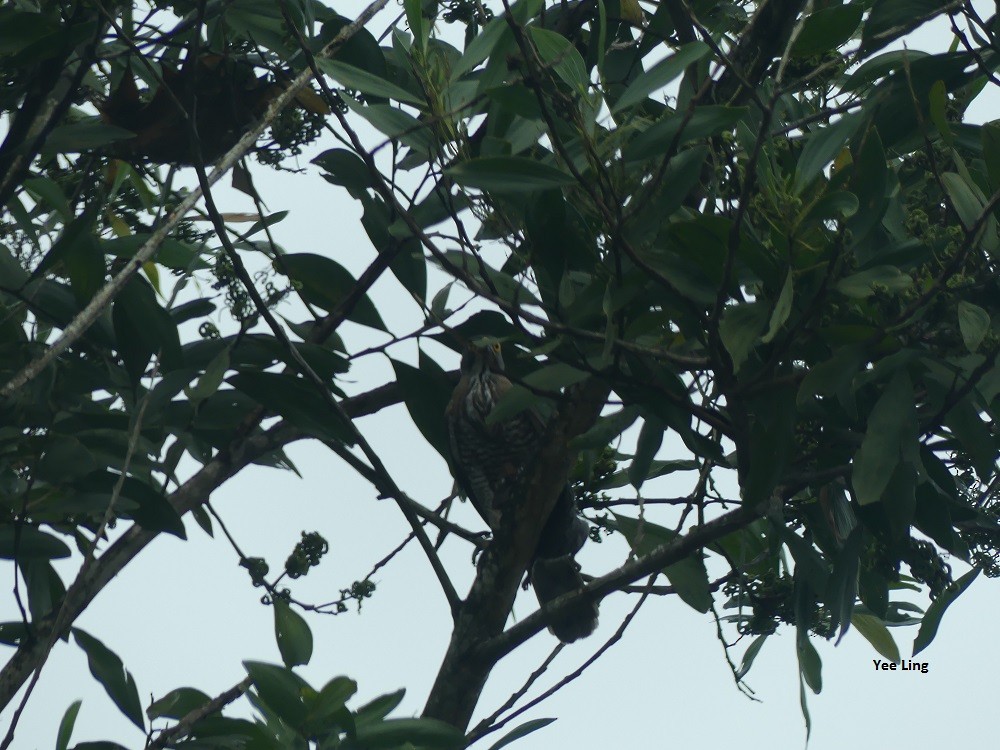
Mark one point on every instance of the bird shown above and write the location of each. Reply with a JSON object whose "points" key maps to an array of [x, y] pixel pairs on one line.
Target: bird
{"points": [[488, 460]]}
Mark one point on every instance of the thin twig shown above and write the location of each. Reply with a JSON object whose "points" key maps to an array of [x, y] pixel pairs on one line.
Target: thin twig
{"points": [[99, 302], [478, 734], [183, 727]]}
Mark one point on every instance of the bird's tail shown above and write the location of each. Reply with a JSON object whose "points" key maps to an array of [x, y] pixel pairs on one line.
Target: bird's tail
{"points": [[554, 576]]}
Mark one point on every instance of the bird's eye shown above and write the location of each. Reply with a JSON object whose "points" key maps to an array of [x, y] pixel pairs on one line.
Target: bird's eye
{"points": [[495, 346]]}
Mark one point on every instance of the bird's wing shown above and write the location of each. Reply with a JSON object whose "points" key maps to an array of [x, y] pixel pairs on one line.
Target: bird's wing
{"points": [[465, 464]]}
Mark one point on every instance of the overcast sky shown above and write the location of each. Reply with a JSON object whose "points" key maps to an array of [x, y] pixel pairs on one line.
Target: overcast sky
{"points": [[184, 613]]}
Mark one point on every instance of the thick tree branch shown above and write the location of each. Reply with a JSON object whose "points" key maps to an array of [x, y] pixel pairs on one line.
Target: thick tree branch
{"points": [[482, 615]]}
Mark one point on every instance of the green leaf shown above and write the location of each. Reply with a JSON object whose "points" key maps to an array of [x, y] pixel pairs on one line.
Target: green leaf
{"points": [[380, 707], [11, 270], [485, 42], [75, 234], [177, 704], [439, 304], [976, 437], [990, 135], [890, 424], [932, 619], [863, 284], [557, 52], [708, 120], [508, 174], [212, 378], [426, 391], [410, 267], [325, 283], [876, 633], [46, 190], [345, 168], [23, 542], [688, 576], [108, 670], [822, 147], [149, 507], [750, 654], [810, 666], [605, 429], [418, 25], [515, 400], [657, 468], [331, 699], [143, 328], [86, 269], [263, 223], [295, 641], [842, 586], [503, 283], [938, 101], [682, 174], [871, 184], [424, 733], [66, 725], [553, 378], [280, 689], [804, 705], [974, 323], [740, 329], [832, 376], [520, 731], [396, 124], [782, 309], [45, 589], [826, 30], [362, 80], [660, 75], [650, 439], [65, 459], [835, 205], [13, 633], [19, 29], [966, 203], [83, 136], [810, 566], [296, 400], [172, 253], [888, 15]]}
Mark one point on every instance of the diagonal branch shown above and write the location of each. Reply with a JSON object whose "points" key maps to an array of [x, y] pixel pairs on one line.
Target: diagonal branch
{"points": [[666, 554], [100, 301], [241, 452], [182, 728], [487, 725], [482, 615]]}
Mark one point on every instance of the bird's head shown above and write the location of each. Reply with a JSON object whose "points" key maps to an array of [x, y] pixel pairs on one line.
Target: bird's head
{"points": [[481, 357]]}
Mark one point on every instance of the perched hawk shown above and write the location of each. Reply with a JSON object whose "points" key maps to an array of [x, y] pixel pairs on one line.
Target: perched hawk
{"points": [[488, 461]]}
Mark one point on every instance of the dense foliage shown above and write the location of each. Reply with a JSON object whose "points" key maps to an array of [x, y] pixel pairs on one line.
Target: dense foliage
{"points": [[762, 228]]}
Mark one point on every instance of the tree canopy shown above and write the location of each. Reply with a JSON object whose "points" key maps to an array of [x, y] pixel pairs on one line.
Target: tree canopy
{"points": [[758, 235]]}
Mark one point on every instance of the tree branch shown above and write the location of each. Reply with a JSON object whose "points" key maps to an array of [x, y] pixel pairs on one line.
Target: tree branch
{"points": [[664, 555], [183, 727], [100, 301], [195, 491], [482, 615]]}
